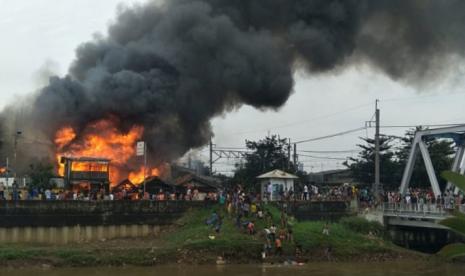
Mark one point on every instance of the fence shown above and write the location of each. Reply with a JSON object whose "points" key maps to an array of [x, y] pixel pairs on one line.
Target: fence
{"points": [[417, 209]]}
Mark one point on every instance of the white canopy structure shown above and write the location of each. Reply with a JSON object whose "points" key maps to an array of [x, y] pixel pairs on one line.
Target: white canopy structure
{"points": [[274, 182]]}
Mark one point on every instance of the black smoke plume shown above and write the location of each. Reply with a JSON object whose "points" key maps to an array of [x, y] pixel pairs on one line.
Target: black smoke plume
{"points": [[172, 66]]}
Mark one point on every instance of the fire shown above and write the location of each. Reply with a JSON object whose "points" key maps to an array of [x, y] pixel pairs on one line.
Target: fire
{"points": [[138, 177], [103, 139], [64, 136], [89, 166]]}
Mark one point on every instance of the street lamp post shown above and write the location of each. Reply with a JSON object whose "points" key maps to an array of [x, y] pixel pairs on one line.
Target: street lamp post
{"points": [[15, 154]]}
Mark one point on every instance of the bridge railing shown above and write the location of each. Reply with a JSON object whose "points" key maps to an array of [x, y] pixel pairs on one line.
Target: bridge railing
{"points": [[425, 210]]}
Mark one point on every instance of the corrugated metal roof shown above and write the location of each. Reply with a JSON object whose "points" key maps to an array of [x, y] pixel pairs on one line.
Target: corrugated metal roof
{"points": [[277, 174]]}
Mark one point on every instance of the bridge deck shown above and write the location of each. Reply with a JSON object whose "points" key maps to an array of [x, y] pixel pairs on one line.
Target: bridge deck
{"points": [[424, 215]]}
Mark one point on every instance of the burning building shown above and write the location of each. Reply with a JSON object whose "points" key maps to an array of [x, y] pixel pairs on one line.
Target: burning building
{"points": [[102, 139], [91, 174]]}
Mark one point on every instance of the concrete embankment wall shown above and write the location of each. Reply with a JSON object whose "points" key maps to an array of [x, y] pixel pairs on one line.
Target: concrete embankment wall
{"points": [[320, 210], [62, 222], [75, 234]]}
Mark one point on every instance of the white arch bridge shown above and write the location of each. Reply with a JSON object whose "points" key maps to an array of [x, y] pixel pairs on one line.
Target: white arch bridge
{"points": [[427, 215]]}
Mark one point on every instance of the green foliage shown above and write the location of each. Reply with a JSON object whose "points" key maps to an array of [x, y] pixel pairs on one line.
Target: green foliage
{"points": [[363, 167], [193, 231], [363, 226], [394, 158], [453, 251], [455, 223], [40, 174], [265, 155], [440, 151], [456, 178], [344, 241], [12, 253]]}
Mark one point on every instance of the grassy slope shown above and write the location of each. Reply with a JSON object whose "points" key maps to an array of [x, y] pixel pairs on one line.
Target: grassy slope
{"points": [[345, 243], [189, 242], [192, 237]]}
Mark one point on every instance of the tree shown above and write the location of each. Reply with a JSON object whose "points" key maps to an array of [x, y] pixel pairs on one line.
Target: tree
{"points": [[40, 174], [457, 222], [393, 161], [363, 167], [265, 155], [440, 151]]}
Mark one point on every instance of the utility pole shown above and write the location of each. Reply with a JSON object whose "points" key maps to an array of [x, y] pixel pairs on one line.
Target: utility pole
{"points": [[295, 156], [289, 155], [145, 168], [7, 177], [377, 185], [211, 157], [15, 154]]}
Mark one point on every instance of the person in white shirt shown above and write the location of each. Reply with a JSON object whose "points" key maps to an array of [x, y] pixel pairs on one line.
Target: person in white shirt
{"points": [[269, 190], [305, 192], [48, 194]]}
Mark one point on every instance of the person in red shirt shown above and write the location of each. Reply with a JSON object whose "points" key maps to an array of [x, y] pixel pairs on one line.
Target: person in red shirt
{"points": [[251, 228], [279, 247]]}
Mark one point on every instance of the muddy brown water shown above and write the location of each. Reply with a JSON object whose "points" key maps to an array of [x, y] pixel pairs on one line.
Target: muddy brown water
{"points": [[395, 268]]}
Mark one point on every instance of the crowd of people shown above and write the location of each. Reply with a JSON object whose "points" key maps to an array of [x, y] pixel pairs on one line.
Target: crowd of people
{"points": [[251, 216], [344, 192], [247, 211], [309, 192], [250, 203], [417, 199]]}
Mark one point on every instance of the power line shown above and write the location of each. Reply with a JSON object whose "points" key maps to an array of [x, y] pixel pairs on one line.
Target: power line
{"points": [[304, 121], [324, 157], [330, 151], [330, 136], [423, 125], [231, 148]]}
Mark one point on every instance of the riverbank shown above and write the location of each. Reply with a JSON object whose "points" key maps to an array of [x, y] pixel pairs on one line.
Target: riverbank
{"points": [[190, 241]]}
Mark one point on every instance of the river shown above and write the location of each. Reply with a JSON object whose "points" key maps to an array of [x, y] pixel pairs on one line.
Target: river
{"points": [[381, 269]]}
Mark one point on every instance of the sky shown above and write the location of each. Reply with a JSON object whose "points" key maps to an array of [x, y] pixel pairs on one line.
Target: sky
{"points": [[39, 37]]}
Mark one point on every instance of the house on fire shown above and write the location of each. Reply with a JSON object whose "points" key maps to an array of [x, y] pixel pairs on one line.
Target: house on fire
{"points": [[154, 184], [204, 184], [85, 173], [185, 178]]}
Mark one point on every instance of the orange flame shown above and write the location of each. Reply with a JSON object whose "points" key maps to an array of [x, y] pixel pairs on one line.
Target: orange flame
{"points": [[103, 139], [64, 136], [138, 177]]}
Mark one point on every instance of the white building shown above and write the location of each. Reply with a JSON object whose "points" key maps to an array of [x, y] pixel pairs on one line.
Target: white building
{"points": [[279, 181]]}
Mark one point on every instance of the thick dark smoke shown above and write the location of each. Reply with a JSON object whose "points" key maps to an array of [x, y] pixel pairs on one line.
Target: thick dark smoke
{"points": [[173, 66]]}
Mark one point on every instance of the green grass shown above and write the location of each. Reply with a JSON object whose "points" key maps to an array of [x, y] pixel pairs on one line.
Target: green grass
{"points": [[453, 251], [12, 253], [194, 235], [347, 238], [363, 226], [189, 241], [342, 240]]}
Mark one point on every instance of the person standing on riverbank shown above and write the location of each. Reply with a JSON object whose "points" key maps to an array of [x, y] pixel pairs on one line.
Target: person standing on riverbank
{"points": [[273, 232], [326, 229], [305, 192], [2, 191], [279, 247]]}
